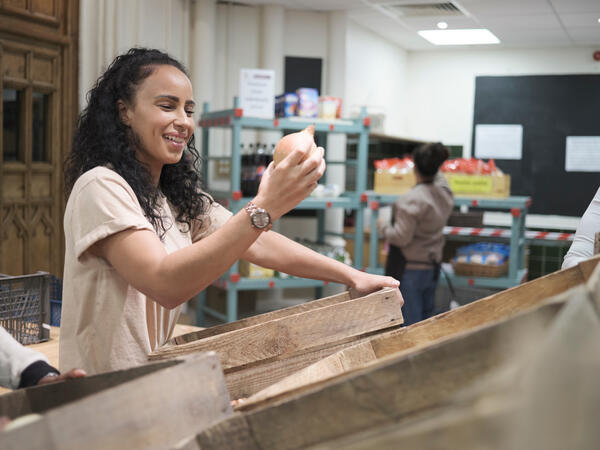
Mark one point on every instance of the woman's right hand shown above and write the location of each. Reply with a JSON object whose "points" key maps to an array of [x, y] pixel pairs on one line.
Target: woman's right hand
{"points": [[283, 186]]}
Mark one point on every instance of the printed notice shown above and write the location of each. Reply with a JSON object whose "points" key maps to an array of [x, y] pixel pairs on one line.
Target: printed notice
{"points": [[257, 93], [583, 154], [499, 141]]}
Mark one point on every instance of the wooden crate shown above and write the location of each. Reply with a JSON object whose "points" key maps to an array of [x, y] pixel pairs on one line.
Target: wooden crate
{"points": [[496, 307], [152, 406], [480, 270], [397, 389], [258, 351]]}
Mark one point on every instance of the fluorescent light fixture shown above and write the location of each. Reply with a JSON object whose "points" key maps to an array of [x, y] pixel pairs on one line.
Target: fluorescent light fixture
{"points": [[442, 25], [460, 37]]}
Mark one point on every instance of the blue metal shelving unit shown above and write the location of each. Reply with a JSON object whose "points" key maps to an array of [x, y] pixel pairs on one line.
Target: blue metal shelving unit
{"points": [[517, 206], [235, 121]]}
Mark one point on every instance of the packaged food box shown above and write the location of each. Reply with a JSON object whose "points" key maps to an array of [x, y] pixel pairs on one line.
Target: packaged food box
{"points": [[308, 102], [286, 104], [329, 107]]}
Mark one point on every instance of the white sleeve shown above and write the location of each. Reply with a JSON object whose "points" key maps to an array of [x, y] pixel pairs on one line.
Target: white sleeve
{"points": [[14, 358], [583, 245]]}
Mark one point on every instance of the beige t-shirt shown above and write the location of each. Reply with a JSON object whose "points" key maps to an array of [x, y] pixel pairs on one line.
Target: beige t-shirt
{"points": [[107, 324]]}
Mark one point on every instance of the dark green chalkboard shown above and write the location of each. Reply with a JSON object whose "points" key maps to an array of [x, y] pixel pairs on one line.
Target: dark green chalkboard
{"points": [[550, 108]]}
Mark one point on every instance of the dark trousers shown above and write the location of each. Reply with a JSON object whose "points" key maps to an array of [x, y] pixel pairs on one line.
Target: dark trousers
{"points": [[418, 290]]}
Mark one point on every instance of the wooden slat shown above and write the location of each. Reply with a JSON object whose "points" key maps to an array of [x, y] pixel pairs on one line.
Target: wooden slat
{"points": [[259, 319], [386, 391], [495, 307], [549, 402], [154, 411], [246, 381], [292, 333]]}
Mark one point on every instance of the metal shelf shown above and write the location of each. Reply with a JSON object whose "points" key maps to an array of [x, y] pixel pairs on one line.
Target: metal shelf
{"points": [[517, 205], [234, 120], [269, 283]]}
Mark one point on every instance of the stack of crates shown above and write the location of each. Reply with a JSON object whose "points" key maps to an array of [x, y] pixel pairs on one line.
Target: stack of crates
{"points": [[55, 300], [24, 306]]}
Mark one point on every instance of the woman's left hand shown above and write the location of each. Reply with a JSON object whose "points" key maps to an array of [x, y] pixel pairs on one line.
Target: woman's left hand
{"points": [[365, 283]]}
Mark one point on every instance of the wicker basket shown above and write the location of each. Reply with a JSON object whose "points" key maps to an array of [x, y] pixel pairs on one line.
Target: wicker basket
{"points": [[24, 306], [480, 270]]}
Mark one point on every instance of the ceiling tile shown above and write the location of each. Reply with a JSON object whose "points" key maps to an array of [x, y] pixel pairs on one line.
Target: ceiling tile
{"points": [[581, 20], [481, 9], [533, 37], [575, 6], [585, 35], [520, 22]]}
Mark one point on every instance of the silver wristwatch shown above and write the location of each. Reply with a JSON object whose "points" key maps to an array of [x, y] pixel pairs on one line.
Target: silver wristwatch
{"points": [[259, 217]]}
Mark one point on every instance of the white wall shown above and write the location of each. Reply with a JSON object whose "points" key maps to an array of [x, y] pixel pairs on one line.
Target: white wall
{"points": [[441, 84], [376, 77], [111, 27]]}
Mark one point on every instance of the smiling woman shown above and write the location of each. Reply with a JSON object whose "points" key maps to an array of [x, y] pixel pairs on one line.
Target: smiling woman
{"points": [[141, 235]]}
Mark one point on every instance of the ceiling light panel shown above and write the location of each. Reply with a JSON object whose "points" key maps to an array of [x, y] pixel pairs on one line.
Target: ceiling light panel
{"points": [[477, 36]]}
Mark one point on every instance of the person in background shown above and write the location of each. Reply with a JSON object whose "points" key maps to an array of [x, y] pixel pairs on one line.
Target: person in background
{"points": [[415, 235], [141, 235], [583, 244], [22, 367]]}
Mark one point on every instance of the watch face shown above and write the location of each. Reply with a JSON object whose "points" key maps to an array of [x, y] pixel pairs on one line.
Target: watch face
{"points": [[260, 218]]}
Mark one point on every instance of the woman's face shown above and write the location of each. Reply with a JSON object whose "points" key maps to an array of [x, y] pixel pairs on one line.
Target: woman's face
{"points": [[161, 117]]}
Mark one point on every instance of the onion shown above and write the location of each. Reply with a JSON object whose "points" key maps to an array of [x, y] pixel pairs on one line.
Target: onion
{"points": [[303, 140]]}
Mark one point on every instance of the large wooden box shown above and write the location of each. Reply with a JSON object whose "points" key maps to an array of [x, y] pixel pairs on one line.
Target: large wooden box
{"points": [[531, 353], [153, 406], [258, 351]]}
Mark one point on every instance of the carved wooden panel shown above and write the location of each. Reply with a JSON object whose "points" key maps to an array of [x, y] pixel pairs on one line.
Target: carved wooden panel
{"points": [[45, 7], [15, 4], [38, 59], [13, 241], [43, 236], [41, 185], [42, 69], [13, 64], [13, 186]]}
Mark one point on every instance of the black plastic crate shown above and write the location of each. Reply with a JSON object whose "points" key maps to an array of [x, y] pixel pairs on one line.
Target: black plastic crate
{"points": [[24, 306]]}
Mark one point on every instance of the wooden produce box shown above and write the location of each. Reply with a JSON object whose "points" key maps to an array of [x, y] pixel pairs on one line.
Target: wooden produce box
{"points": [[153, 406], [497, 307], [533, 341], [258, 351]]}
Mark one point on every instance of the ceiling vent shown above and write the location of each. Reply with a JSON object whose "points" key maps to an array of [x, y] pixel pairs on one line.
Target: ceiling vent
{"points": [[443, 9]]}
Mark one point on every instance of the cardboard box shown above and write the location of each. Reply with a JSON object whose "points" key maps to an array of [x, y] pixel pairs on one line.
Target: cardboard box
{"points": [[462, 185], [250, 270], [393, 183], [479, 185]]}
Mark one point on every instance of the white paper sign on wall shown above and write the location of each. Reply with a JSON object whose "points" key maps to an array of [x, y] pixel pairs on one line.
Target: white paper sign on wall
{"points": [[257, 93], [499, 141], [582, 154]]}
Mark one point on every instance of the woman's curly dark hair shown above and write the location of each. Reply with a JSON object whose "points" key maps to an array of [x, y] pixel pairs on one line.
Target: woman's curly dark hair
{"points": [[102, 139]]}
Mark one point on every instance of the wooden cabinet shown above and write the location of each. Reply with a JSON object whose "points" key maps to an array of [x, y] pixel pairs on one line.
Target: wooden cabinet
{"points": [[38, 67]]}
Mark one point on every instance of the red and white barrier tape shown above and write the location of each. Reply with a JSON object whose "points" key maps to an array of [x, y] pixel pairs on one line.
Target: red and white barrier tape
{"points": [[506, 233]]}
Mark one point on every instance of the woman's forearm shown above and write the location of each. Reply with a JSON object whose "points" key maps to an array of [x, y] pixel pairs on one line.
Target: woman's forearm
{"points": [[297, 260]]}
